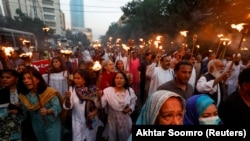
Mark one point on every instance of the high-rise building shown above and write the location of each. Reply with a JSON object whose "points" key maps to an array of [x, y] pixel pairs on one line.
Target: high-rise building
{"points": [[77, 18], [46, 10], [77, 14]]}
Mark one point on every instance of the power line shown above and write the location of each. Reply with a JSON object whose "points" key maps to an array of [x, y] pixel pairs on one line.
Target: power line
{"points": [[80, 10], [72, 10], [77, 5]]}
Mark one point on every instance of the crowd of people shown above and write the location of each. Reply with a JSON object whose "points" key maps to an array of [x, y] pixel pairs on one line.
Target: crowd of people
{"points": [[133, 87]]}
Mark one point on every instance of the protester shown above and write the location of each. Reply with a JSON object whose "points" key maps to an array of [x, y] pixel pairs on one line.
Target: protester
{"points": [[144, 80], [201, 110], [57, 75], [15, 60], [161, 74], [205, 61], [122, 56], [20, 68], [120, 100], [162, 103], [235, 109], [197, 66], [211, 82], [193, 77], [4, 64], [10, 128], [42, 103], [119, 66], [80, 98], [237, 67], [106, 75], [179, 84], [134, 64]]}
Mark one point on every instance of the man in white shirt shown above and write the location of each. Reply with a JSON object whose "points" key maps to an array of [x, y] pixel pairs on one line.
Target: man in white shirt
{"points": [[211, 82], [231, 82], [124, 59], [161, 74]]}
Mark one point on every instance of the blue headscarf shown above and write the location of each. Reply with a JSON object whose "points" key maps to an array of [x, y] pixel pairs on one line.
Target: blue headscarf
{"points": [[152, 106], [195, 107]]}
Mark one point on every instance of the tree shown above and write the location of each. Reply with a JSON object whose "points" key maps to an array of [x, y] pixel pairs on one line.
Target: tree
{"points": [[206, 18], [77, 37]]}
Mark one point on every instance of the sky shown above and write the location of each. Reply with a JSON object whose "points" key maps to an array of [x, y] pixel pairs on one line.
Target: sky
{"points": [[99, 14]]}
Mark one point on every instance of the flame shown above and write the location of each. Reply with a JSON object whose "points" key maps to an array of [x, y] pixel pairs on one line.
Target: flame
{"points": [[248, 16], [66, 51], [220, 35], [224, 39], [198, 46], [25, 41], [158, 38], [26, 54], [141, 46], [183, 33], [97, 66], [118, 40], [244, 48], [124, 46], [110, 38], [239, 27], [7, 50], [156, 43]]}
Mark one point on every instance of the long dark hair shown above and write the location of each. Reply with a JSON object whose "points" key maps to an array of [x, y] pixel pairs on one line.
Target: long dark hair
{"points": [[13, 73], [41, 86], [126, 85], [62, 66], [85, 74]]}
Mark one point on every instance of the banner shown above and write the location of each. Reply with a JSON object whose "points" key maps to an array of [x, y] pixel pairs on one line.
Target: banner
{"points": [[43, 65]]}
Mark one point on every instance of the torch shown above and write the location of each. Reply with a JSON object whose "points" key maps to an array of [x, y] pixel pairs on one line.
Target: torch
{"points": [[27, 44], [220, 37], [225, 43], [157, 43], [97, 67], [243, 28], [198, 47], [8, 50], [194, 42], [184, 34], [66, 53], [26, 57]]}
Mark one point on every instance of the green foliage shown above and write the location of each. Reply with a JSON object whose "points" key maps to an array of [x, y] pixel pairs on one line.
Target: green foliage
{"points": [[24, 23], [207, 18], [77, 37]]}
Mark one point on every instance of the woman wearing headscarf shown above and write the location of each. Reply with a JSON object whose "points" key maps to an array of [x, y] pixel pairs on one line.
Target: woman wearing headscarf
{"points": [[163, 107], [159, 104], [201, 110]]}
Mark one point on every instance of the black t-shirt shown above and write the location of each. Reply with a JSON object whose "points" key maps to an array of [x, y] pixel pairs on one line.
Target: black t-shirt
{"points": [[4, 96], [234, 111]]}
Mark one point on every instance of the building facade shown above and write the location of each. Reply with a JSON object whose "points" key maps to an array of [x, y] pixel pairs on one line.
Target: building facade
{"points": [[46, 10], [77, 14]]}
